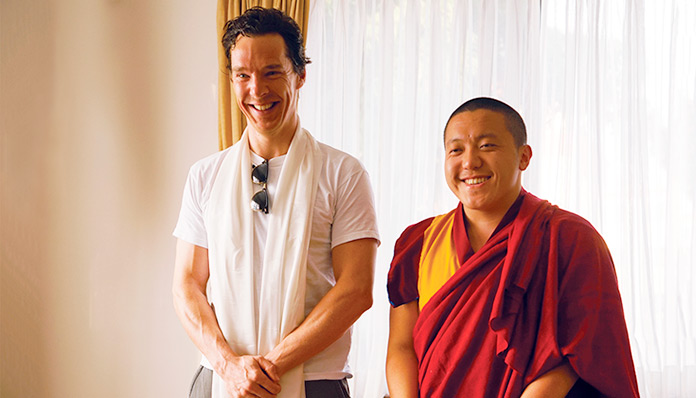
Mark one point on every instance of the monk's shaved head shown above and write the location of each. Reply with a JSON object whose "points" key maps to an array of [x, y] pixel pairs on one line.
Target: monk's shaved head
{"points": [[513, 120]]}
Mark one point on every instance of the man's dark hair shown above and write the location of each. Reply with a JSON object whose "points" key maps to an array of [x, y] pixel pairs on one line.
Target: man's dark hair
{"points": [[513, 120], [259, 21]]}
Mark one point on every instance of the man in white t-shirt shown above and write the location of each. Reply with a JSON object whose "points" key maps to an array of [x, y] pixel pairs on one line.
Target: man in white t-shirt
{"points": [[277, 236]]}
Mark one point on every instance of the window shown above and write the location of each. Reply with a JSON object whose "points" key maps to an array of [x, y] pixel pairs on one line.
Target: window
{"points": [[608, 93]]}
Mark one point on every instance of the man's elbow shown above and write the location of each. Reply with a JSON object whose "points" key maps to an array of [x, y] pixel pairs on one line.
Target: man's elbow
{"points": [[179, 289], [178, 297], [363, 299], [367, 302], [183, 293]]}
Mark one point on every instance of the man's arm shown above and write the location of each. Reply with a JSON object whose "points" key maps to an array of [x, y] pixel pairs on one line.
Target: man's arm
{"points": [[353, 265], [402, 364], [557, 382], [242, 374]]}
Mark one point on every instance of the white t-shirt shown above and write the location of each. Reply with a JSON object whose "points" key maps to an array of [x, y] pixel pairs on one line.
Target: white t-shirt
{"points": [[343, 211]]}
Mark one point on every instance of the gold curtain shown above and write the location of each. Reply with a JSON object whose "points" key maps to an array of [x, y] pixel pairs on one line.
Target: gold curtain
{"points": [[231, 122]]}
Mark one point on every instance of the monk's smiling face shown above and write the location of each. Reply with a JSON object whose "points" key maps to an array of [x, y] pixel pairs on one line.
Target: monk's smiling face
{"points": [[483, 165]]}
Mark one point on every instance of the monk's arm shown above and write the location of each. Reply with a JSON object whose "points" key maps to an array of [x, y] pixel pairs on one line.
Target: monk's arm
{"points": [[191, 274], [555, 383], [402, 364], [353, 265]]}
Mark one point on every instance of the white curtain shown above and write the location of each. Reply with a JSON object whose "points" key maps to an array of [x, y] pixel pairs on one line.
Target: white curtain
{"points": [[608, 92]]}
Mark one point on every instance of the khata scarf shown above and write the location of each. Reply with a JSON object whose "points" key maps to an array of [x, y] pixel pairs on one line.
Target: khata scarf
{"points": [[230, 251]]}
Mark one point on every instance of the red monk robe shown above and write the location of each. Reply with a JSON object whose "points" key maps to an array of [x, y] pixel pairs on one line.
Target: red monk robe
{"points": [[542, 288]]}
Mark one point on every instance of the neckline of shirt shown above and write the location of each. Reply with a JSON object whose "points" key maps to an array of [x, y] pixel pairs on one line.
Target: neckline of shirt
{"points": [[273, 163]]}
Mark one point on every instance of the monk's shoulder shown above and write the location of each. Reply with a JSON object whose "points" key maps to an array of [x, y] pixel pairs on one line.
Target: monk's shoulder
{"points": [[412, 234], [578, 243], [402, 280], [570, 225]]}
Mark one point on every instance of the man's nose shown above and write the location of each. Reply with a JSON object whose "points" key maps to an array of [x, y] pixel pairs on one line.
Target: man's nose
{"points": [[258, 87]]}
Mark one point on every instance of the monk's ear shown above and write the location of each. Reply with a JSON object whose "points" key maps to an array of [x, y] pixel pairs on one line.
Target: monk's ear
{"points": [[525, 156]]}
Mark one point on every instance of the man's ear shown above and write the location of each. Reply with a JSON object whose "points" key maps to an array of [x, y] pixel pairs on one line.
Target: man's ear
{"points": [[301, 78], [525, 156]]}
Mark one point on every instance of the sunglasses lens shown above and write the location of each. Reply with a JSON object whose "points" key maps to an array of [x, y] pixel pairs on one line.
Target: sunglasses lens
{"points": [[259, 174], [259, 202]]}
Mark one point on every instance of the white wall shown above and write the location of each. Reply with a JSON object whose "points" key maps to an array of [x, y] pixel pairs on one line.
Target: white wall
{"points": [[104, 106]]}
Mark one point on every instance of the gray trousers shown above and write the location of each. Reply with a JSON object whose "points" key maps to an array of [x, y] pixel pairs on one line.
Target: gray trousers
{"points": [[202, 386]]}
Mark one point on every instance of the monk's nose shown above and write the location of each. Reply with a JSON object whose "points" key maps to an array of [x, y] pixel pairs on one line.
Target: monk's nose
{"points": [[471, 160]]}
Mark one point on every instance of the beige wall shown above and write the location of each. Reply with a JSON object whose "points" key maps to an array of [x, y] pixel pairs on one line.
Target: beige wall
{"points": [[104, 106]]}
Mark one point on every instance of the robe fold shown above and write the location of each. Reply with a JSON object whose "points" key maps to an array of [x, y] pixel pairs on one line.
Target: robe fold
{"points": [[542, 290]]}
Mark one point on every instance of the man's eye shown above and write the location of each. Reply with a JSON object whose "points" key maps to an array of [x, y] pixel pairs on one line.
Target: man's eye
{"points": [[487, 145]]}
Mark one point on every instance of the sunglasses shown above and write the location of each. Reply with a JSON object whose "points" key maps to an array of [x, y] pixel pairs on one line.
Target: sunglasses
{"points": [[259, 175]]}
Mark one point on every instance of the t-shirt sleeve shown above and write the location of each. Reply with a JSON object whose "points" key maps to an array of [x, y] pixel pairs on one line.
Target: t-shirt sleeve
{"points": [[191, 225], [402, 280], [592, 331], [354, 212]]}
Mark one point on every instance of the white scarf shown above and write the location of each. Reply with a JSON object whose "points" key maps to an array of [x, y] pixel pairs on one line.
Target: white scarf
{"points": [[230, 251]]}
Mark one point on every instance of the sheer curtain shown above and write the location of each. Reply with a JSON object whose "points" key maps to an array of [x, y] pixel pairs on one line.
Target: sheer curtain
{"points": [[608, 91]]}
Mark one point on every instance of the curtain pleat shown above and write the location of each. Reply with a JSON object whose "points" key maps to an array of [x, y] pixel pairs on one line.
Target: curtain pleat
{"points": [[231, 121]]}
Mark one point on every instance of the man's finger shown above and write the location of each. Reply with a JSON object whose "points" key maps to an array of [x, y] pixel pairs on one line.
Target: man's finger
{"points": [[263, 379], [251, 389], [269, 368]]}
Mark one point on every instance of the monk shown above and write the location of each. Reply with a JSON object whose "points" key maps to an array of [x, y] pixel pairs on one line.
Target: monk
{"points": [[506, 295]]}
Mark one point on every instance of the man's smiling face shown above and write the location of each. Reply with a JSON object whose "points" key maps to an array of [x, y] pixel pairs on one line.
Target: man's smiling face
{"points": [[265, 84], [483, 165]]}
